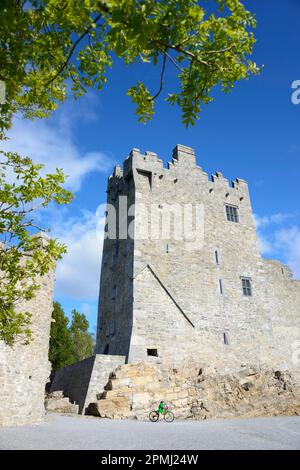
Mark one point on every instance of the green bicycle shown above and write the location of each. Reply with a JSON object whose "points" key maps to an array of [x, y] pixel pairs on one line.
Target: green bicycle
{"points": [[162, 410]]}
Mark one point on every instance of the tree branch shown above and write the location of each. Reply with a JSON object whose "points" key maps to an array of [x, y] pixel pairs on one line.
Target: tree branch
{"points": [[220, 50], [75, 44], [161, 78], [174, 62]]}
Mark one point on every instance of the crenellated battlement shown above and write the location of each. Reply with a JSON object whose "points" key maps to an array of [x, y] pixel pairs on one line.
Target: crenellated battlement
{"points": [[182, 165]]}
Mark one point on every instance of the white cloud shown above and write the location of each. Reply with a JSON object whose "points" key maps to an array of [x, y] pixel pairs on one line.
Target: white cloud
{"points": [[288, 242], [78, 273], [265, 246], [53, 143], [279, 241], [274, 219]]}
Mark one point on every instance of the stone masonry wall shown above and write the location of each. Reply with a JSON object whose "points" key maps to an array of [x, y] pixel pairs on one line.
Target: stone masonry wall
{"points": [[114, 324], [24, 369], [83, 381]]}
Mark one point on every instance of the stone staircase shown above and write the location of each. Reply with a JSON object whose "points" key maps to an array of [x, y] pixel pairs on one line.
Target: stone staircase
{"points": [[134, 390]]}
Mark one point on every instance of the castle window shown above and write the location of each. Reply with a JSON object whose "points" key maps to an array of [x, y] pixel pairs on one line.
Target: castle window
{"points": [[152, 352], [226, 339], [113, 328], [114, 292], [167, 248], [217, 257], [232, 213], [116, 251], [247, 287], [221, 286]]}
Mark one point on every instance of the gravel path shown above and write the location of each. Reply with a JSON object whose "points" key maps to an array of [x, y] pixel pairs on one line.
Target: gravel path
{"points": [[66, 432]]}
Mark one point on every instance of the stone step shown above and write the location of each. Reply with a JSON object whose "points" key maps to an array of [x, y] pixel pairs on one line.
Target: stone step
{"points": [[129, 382], [110, 408], [133, 370]]}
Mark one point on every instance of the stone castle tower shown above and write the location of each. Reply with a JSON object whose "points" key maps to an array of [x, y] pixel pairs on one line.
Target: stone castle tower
{"points": [[171, 298]]}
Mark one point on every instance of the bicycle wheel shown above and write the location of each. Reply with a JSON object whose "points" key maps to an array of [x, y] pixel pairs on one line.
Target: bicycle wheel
{"points": [[169, 416], [153, 416]]}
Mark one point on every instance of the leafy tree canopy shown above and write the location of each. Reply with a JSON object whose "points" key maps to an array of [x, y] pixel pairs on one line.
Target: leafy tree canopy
{"points": [[82, 343], [23, 191], [45, 44], [69, 344], [60, 339]]}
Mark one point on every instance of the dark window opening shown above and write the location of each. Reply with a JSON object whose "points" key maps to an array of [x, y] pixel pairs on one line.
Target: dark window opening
{"points": [[226, 339], [106, 349], [221, 286], [116, 252], [217, 257], [152, 352], [117, 249], [114, 292], [247, 287], [113, 328], [232, 213]]}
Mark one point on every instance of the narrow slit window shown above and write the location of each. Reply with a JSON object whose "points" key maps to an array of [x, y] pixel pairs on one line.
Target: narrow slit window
{"points": [[226, 338], [221, 286], [217, 257], [113, 328], [114, 292]]}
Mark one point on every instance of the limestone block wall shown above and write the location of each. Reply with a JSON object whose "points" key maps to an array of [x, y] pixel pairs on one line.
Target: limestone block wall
{"points": [[82, 381], [115, 295], [197, 392], [24, 369]]}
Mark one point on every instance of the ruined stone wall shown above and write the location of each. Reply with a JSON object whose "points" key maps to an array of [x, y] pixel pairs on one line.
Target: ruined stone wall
{"points": [[194, 392], [176, 306], [83, 381], [24, 369]]}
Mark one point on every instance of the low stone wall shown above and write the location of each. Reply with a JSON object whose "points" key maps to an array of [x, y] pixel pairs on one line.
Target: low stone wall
{"points": [[57, 403], [82, 381]]}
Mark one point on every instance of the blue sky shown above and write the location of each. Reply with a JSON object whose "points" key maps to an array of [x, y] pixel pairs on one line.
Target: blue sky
{"points": [[252, 133]]}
